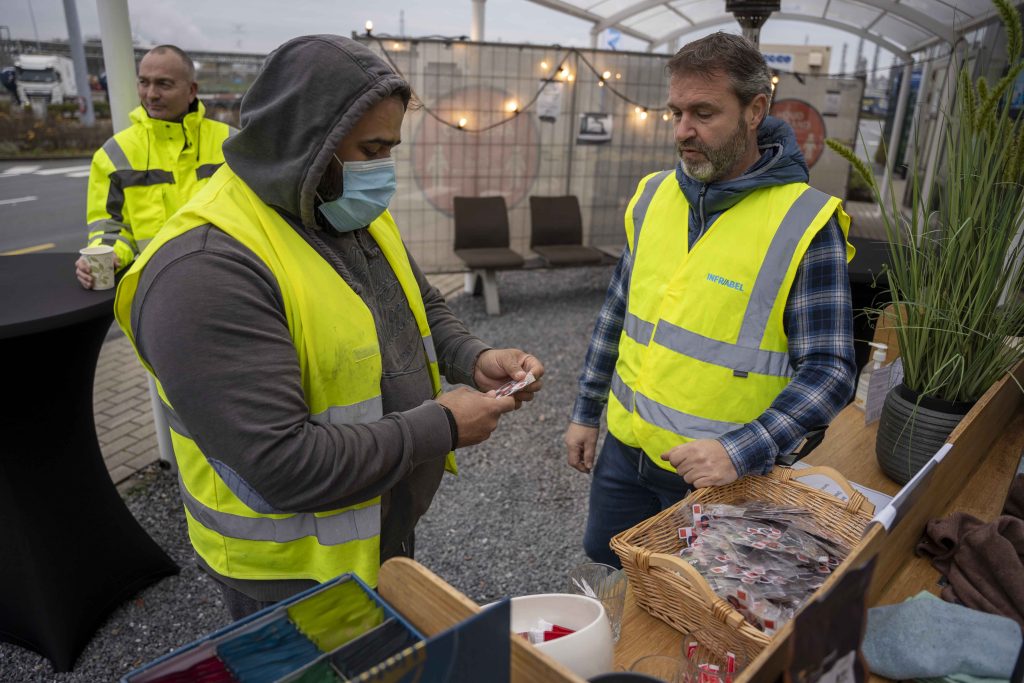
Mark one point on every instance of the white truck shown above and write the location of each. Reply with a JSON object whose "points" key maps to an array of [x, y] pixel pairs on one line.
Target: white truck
{"points": [[46, 78]]}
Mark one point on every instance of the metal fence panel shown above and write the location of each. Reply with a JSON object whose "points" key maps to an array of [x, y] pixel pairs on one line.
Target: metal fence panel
{"points": [[521, 108]]}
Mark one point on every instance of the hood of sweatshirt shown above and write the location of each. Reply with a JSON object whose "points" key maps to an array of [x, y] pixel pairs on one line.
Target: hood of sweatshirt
{"points": [[309, 94], [781, 162]]}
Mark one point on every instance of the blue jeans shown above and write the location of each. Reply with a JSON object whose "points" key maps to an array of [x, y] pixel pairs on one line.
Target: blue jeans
{"points": [[626, 488]]}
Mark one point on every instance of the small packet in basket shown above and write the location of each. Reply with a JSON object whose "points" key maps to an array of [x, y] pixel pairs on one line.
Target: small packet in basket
{"points": [[514, 385]]}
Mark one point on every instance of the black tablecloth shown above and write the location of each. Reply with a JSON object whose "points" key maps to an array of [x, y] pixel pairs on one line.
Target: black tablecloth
{"points": [[71, 550]]}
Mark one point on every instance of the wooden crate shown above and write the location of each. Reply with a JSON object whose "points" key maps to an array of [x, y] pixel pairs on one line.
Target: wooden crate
{"points": [[432, 606]]}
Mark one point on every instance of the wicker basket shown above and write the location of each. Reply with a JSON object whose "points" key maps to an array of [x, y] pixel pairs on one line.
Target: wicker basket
{"points": [[672, 590]]}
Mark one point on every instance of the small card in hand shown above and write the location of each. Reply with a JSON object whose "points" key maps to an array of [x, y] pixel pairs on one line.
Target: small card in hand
{"points": [[513, 386]]}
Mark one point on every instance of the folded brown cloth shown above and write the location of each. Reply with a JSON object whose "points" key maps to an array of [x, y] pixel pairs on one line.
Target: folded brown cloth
{"points": [[983, 562], [1015, 498]]}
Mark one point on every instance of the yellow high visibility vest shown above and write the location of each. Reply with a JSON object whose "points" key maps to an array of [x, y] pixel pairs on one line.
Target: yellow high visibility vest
{"points": [[146, 172], [703, 350], [341, 373]]}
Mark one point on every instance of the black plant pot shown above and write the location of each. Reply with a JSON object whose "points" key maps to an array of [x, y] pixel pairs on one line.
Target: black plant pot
{"points": [[912, 428]]}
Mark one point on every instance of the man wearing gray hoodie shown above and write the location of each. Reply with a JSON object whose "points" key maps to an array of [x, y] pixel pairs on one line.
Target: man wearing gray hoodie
{"points": [[296, 343]]}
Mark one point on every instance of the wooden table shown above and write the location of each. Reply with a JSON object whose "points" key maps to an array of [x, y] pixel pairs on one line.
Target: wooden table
{"points": [[973, 478]]}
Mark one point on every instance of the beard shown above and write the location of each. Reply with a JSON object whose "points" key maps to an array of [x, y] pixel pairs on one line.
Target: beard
{"points": [[717, 161]]}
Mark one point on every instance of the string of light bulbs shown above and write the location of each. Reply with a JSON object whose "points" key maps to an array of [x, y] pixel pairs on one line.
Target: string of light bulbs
{"points": [[557, 71], [561, 71]]}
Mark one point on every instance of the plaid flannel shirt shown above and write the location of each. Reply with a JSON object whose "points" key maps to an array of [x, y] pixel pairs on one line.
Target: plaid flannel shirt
{"points": [[819, 323]]}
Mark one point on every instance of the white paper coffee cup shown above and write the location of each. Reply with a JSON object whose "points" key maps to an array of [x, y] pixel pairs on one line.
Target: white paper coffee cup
{"points": [[101, 263]]}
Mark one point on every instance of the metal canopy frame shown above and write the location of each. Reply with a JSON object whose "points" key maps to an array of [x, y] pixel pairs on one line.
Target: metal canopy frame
{"points": [[900, 53]]}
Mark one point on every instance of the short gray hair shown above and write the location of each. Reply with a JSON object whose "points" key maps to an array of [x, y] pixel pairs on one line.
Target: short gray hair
{"points": [[733, 55], [186, 61]]}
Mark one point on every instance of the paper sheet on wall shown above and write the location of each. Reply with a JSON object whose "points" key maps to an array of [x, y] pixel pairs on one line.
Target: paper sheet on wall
{"points": [[549, 101], [823, 483]]}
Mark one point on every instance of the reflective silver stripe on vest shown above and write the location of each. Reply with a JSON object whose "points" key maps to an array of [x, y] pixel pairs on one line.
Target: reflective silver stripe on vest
{"points": [[370, 410], [637, 328], [622, 392], [174, 422], [644, 203], [732, 356], [776, 263], [428, 346], [343, 527], [679, 422], [110, 238], [207, 170], [116, 155], [667, 418]]}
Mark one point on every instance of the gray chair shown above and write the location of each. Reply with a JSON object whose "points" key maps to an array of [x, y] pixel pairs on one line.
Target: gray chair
{"points": [[556, 232], [482, 243]]}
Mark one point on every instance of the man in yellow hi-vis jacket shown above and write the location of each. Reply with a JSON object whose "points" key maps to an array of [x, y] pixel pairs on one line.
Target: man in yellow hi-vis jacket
{"points": [[145, 173], [721, 346]]}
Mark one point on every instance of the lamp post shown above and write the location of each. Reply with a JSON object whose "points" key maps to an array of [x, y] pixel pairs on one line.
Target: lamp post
{"points": [[751, 15]]}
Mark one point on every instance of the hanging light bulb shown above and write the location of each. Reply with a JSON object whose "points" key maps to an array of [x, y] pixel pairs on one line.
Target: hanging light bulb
{"points": [[636, 110], [369, 27], [606, 75], [571, 77], [618, 76], [512, 106], [775, 79], [463, 122], [643, 115], [544, 66], [600, 83], [665, 117]]}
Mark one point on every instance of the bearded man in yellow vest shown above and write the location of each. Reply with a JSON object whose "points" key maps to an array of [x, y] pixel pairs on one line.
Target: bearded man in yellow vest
{"points": [[727, 332], [297, 347]]}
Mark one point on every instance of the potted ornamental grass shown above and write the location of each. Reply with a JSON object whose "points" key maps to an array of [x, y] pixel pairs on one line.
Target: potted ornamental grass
{"points": [[956, 271]]}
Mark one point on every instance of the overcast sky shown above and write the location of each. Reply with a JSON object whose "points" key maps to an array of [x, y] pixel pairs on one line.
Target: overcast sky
{"points": [[262, 25]]}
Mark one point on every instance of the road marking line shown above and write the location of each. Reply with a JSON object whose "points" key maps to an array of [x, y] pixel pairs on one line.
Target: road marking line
{"points": [[79, 174], [20, 170], [63, 169], [19, 200], [29, 250]]}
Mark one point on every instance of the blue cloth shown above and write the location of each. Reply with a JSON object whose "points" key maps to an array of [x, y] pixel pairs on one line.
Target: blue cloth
{"points": [[818, 318], [621, 496], [267, 653], [925, 637]]}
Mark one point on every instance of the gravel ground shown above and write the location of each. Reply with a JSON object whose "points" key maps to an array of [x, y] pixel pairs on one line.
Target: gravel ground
{"points": [[510, 524]]}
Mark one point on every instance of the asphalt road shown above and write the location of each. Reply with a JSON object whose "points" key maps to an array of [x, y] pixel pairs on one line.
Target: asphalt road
{"points": [[42, 205]]}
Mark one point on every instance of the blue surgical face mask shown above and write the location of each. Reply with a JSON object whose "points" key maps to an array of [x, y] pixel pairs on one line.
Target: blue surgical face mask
{"points": [[368, 188]]}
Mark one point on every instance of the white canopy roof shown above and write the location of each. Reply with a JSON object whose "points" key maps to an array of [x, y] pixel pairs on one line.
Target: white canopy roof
{"points": [[900, 26]]}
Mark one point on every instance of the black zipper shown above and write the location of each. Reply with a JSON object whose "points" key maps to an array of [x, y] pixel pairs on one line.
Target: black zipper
{"points": [[700, 209]]}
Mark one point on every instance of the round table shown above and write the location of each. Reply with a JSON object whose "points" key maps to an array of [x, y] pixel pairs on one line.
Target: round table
{"points": [[72, 551]]}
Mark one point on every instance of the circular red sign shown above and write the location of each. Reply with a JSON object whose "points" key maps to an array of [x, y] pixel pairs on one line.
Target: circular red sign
{"points": [[808, 125], [448, 162]]}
